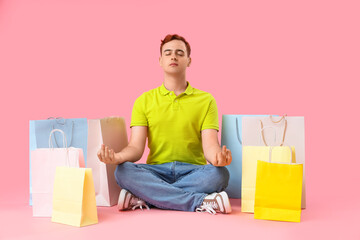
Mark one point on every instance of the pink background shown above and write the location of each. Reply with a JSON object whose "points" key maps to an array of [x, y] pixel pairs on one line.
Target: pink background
{"points": [[94, 58]]}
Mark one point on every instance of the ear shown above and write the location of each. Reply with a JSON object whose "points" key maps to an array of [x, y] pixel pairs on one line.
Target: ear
{"points": [[189, 62], [160, 61]]}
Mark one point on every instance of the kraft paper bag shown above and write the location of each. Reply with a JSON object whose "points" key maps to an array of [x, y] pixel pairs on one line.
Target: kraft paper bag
{"points": [[44, 163], [286, 131], [74, 197], [231, 134], [39, 130], [111, 132], [278, 191], [251, 155]]}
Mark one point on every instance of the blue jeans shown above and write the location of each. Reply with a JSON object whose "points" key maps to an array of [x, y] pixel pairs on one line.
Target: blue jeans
{"points": [[175, 185]]}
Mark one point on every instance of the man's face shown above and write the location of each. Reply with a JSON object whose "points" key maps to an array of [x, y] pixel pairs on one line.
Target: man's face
{"points": [[174, 57]]}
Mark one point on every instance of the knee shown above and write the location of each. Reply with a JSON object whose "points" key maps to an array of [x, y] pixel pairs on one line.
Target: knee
{"points": [[219, 177], [123, 172]]}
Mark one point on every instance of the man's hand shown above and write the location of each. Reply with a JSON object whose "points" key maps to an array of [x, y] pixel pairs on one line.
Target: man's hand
{"points": [[223, 158], [213, 153], [107, 155]]}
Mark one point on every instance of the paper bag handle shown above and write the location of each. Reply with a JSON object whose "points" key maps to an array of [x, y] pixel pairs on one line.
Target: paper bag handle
{"points": [[58, 120], [62, 123], [64, 138], [291, 154], [285, 128], [237, 132]]}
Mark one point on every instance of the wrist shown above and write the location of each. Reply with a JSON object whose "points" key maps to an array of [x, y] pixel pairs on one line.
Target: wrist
{"points": [[118, 158], [212, 161]]}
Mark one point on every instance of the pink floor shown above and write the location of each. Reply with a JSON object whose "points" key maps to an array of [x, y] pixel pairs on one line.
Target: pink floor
{"points": [[333, 219]]}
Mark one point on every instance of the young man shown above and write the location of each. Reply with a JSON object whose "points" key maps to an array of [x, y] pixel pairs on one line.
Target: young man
{"points": [[181, 124]]}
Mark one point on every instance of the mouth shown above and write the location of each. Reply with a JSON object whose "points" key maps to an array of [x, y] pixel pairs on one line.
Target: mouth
{"points": [[173, 64]]}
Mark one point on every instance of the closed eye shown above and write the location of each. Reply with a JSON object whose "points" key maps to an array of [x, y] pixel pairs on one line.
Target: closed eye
{"points": [[180, 52]]}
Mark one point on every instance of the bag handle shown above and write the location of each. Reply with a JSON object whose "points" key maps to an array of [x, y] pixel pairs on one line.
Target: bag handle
{"points": [[285, 128], [291, 154], [237, 132], [64, 138], [62, 121], [64, 144], [58, 120]]}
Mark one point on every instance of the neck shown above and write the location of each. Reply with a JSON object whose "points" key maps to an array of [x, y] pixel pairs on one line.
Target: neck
{"points": [[175, 83]]}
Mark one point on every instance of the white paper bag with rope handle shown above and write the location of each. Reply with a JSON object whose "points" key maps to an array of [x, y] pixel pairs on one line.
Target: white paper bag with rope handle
{"points": [[277, 131]]}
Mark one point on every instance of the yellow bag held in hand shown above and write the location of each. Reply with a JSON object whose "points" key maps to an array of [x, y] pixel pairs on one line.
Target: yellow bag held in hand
{"points": [[278, 191], [74, 197]]}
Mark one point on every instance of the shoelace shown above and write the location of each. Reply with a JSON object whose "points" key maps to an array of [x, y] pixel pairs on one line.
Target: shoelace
{"points": [[138, 203], [208, 207]]}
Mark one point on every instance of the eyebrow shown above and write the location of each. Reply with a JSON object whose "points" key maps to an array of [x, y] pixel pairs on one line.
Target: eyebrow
{"points": [[166, 50]]}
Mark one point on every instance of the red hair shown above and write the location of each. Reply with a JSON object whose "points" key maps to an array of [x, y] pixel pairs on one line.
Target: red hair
{"points": [[171, 37]]}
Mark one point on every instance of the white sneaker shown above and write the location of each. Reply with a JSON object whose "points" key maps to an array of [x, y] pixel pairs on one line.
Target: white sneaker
{"points": [[215, 202], [128, 201]]}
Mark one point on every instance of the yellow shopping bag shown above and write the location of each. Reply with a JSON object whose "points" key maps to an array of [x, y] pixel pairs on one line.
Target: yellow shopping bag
{"points": [[278, 191], [74, 197], [251, 154]]}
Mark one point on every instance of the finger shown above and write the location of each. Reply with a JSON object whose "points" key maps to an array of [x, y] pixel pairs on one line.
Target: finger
{"points": [[228, 152], [102, 152], [228, 156], [221, 159], [112, 154], [223, 152], [218, 159], [107, 153], [99, 155]]}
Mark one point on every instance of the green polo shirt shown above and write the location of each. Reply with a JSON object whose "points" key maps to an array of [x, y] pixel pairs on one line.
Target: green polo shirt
{"points": [[175, 123]]}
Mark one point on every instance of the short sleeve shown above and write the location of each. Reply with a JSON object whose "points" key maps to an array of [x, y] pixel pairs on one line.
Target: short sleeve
{"points": [[138, 116], [211, 120]]}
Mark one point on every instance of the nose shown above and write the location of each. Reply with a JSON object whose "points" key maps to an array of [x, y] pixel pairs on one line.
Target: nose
{"points": [[173, 56]]}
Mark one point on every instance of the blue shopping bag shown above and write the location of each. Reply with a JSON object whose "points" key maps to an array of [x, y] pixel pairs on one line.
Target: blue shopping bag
{"points": [[32, 146], [231, 132], [75, 129]]}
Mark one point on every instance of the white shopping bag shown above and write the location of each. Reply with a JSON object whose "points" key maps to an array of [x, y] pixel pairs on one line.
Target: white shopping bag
{"points": [[277, 131], [111, 132]]}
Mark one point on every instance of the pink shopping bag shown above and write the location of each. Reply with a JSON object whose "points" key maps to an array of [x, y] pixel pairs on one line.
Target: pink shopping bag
{"points": [[44, 163]]}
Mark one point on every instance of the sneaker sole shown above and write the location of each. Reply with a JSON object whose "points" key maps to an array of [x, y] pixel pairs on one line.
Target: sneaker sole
{"points": [[226, 202], [124, 194]]}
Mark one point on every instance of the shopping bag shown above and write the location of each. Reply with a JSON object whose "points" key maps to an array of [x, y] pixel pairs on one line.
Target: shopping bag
{"points": [[231, 131], [32, 147], [273, 132], [44, 163], [74, 197], [76, 130], [278, 190], [39, 130], [251, 154], [111, 132]]}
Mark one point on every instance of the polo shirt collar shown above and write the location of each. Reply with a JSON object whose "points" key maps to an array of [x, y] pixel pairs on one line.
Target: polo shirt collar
{"points": [[188, 91]]}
